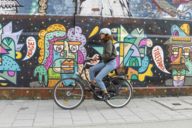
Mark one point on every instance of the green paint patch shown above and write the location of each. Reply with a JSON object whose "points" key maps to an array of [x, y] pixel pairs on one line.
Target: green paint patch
{"points": [[134, 77], [53, 75], [7, 41], [130, 40], [98, 49], [5, 46]]}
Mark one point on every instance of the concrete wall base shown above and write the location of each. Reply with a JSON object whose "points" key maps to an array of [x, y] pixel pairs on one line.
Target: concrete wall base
{"points": [[11, 93]]}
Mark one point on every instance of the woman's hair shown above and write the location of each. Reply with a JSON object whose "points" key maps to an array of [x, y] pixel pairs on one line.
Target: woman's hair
{"points": [[108, 37]]}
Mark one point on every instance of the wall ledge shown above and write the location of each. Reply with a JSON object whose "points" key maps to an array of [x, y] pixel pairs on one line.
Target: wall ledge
{"points": [[14, 93]]}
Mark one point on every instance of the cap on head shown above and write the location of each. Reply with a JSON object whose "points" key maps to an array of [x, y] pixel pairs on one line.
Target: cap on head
{"points": [[105, 31]]}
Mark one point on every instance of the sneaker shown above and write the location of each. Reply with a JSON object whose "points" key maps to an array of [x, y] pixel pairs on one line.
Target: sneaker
{"points": [[98, 95], [106, 96]]}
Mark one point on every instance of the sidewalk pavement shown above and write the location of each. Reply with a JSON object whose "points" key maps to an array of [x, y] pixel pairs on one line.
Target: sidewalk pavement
{"points": [[92, 114]]}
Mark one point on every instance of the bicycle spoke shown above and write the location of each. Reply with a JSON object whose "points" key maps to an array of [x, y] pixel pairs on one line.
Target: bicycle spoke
{"points": [[120, 94], [68, 93]]}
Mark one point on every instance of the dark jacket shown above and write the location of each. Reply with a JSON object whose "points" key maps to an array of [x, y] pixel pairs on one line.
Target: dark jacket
{"points": [[109, 52]]}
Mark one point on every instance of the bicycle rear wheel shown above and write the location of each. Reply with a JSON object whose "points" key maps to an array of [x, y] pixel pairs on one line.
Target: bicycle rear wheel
{"points": [[120, 91], [68, 93]]}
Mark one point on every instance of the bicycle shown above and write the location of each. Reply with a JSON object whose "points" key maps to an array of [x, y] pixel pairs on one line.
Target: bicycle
{"points": [[69, 93]]}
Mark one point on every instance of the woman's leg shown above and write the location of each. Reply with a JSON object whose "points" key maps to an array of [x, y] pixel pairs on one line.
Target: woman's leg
{"points": [[94, 69], [108, 68]]}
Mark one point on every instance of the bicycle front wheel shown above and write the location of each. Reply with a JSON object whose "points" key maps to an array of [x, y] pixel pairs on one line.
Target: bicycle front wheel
{"points": [[120, 91], [68, 93]]}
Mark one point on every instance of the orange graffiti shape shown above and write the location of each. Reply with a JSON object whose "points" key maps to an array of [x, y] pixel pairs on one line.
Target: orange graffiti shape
{"points": [[30, 48], [158, 58]]}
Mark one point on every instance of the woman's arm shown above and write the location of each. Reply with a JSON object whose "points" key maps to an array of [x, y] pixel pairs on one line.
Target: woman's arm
{"points": [[107, 51]]}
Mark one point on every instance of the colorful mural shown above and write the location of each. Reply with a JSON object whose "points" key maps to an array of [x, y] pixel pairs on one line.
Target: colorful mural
{"points": [[132, 53], [38, 51], [180, 52], [9, 52], [61, 52]]}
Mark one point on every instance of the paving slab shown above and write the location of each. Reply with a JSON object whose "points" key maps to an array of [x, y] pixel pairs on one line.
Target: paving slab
{"points": [[175, 104], [44, 113]]}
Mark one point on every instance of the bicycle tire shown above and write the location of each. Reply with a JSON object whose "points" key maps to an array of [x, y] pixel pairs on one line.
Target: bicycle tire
{"points": [[130, 93], [57, 94]]}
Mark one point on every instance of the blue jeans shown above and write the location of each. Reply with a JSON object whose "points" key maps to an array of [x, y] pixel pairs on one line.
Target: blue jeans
{"points": [[104, 69]]}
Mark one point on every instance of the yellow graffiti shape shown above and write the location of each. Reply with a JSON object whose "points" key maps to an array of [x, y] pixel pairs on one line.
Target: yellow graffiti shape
{"points": [[42, 33], [94, 31], [186, 28], [112, 73], [18, 55], [147, 73], [114, 41], [121, 49], [53, 82], [3, 84]]}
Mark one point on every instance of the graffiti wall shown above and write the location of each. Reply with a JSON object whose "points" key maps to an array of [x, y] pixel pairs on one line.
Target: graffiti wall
{"points": [[155, 9], [38, 51], [174, 9], [38, 7]]}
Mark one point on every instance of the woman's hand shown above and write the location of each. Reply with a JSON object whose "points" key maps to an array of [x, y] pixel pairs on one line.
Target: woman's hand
{"points": [[95, 57]]}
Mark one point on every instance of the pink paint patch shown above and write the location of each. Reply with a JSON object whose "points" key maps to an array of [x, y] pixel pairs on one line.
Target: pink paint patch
{"points": [[117, 61], [80, 57], [143, 43], [2, 50], [11, 73], [49, 60]]}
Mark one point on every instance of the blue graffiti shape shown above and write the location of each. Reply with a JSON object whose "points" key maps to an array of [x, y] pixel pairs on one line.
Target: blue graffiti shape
{"points": [[145, 64], [9, 64]]}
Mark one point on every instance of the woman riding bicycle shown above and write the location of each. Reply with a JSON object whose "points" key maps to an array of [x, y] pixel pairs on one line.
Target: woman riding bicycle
{"points": [[107, 65], [118, 92]]}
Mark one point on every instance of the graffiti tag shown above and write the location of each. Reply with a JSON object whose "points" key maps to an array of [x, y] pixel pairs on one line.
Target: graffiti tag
{"points": [[158, 57]]}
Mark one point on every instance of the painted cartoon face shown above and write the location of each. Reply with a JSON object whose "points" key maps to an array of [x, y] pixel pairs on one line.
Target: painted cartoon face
{"points": [[175, 51], [186, 52], [178, 77], [59, 47]]}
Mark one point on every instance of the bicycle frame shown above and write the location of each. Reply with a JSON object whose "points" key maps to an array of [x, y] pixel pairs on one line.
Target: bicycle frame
{"points": [[97, 93], [80, 78], [87, 83]]}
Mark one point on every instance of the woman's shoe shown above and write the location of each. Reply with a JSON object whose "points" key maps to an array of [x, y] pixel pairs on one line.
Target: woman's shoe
{"points": [[106, 96]]}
